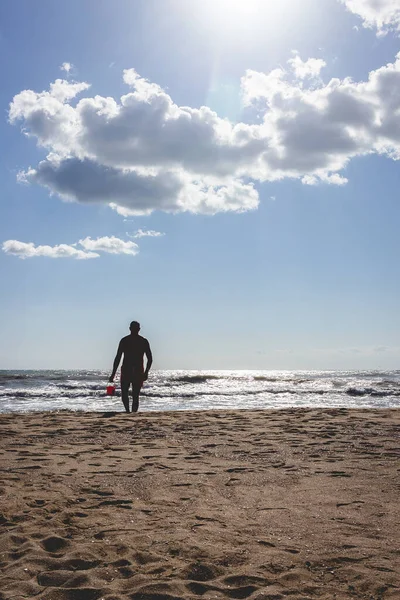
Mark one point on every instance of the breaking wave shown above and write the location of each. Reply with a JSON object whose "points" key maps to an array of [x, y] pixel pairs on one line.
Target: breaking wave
{"points": [[200, 390]]}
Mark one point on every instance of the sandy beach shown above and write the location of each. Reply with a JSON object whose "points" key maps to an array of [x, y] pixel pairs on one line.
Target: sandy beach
{"points": [[258, 504]]}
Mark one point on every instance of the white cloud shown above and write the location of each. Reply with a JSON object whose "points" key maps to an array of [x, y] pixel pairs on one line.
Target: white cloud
{"points": [[382, 15], [29, 250], [138, 192], [46, 115], [143, 152], [315, 132], [309, 68], [111, 245], [147, 233], [334, 179], [66, 66], [309, 180], [91, 248]]}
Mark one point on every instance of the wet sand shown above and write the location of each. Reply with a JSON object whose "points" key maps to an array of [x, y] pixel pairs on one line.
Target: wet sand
{"points": [[257, 504]]}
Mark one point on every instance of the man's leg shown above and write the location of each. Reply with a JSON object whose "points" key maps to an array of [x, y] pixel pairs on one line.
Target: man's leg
{"points": [[135, 395], [125, 383]]}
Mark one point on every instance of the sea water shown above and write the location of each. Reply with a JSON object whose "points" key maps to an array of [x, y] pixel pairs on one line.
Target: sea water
{"points": [[28, 391]]}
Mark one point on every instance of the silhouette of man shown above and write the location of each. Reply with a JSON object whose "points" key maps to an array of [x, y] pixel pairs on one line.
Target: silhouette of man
{"points": [[133, 347]]}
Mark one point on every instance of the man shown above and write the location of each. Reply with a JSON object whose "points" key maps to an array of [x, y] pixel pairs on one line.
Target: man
{"points": [[133, 347]]}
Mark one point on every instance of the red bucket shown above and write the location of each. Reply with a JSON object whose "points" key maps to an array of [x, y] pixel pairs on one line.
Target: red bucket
{"points": [[110, 389]]}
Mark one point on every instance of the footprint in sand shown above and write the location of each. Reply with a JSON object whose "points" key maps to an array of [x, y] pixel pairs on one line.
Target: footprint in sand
{"points": [[73, 594], [54, 544]]}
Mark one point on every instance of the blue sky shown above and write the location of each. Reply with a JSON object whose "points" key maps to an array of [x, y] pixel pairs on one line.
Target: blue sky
{"points": [[249, 155]]}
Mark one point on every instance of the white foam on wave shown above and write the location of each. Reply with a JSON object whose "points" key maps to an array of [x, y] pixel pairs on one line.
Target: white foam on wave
{"points": [[26, 391]]}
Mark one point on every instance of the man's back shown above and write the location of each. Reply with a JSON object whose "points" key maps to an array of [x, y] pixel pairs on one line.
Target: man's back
{"points": [[134, 348]]}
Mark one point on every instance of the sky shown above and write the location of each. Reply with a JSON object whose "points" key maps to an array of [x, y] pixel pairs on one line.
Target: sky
{"points": [[223, 171]]}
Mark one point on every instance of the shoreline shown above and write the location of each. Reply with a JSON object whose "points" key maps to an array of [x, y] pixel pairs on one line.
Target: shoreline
{"points": [[245, 503], [120, 410]]}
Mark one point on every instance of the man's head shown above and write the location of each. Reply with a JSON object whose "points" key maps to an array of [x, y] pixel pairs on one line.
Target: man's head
{"points": [[134, 327]]}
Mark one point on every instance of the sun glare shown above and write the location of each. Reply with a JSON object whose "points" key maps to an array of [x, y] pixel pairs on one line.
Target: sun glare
{"points": [[228, 18], [233, 12], [237, 9]]}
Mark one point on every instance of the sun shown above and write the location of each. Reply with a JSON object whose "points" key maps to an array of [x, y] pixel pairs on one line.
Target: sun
{"points": [[228, 18], [238, 9], [233, 11]]}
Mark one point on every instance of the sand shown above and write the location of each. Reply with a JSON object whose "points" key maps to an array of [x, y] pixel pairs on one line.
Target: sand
{"points": [[256, 504]]}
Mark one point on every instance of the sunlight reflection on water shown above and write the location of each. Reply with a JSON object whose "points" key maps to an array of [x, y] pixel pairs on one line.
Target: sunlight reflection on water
{"points": [[25, 391]]}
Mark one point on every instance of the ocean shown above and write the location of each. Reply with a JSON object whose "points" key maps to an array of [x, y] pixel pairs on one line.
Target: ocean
{"points": [[29, 391]]}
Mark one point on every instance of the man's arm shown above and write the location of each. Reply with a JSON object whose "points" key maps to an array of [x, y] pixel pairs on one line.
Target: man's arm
{"points": [[116, 361], [149, 357]]}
